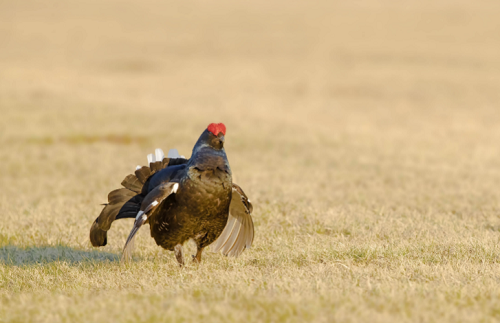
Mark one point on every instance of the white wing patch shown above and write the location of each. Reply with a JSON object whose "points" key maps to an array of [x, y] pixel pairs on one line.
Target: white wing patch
{"points": [[139, 214]]}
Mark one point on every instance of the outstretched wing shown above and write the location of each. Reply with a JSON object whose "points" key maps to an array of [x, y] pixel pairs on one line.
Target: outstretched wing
{"points": [[238, 233], [150, 202], [126, 202]]}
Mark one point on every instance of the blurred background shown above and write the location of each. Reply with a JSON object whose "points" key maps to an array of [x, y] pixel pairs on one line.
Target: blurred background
{"points": [[371, 104], [366, 133]]}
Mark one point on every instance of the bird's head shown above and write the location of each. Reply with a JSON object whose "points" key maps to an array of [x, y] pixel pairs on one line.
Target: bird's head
{"points": [[216, 133], [212, 137]]}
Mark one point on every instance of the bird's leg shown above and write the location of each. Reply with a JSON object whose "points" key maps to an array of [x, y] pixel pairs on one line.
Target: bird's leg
{"points": [[178, 254], [197, 258]]}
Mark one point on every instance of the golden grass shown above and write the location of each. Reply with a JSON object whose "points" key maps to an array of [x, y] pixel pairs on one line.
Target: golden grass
{"points": [[366, 135]]}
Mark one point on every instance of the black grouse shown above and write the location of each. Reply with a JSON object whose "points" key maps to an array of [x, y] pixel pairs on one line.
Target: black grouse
{"points": [[183, 199]]}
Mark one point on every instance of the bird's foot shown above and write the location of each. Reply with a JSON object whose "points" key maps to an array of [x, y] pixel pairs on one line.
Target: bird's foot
{"points": [[178, 255], [197, 258]]}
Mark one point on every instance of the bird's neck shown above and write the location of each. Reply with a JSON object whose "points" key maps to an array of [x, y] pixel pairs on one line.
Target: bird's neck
{"points": [[206, 156]]}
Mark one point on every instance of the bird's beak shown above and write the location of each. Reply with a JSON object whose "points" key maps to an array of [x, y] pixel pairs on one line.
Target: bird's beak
{"points": [[222, 139]]}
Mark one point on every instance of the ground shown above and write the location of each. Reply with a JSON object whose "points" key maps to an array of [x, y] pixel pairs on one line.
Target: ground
{"points": [[366, 134]]}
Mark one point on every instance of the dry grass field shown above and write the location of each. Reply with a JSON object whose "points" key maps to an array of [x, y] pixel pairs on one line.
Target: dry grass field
{"points": [[366, 133]]}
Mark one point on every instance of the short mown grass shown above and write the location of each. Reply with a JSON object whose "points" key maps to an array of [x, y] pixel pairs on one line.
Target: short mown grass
{"points": [[366, 136]]}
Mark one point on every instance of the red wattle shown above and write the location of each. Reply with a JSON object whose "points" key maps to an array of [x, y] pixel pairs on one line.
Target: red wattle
{"points": [[215, 128]]}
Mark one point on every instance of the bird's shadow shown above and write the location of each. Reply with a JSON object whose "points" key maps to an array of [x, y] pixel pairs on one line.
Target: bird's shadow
{"points": [[15, 256]]}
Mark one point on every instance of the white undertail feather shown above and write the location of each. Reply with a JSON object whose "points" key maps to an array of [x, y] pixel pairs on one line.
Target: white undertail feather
{"points": [[138, 167], [173, 153], [159, 154], [151, 158]]}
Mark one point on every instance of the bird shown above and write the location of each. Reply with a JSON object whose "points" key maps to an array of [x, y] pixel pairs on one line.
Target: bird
{"points": [[183, 199]]}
